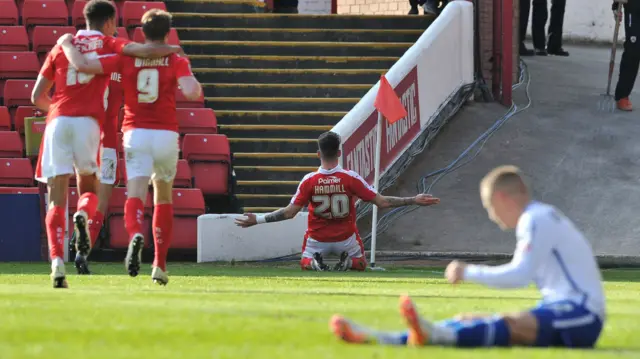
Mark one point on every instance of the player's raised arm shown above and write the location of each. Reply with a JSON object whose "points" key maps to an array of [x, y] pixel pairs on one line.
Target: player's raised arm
{"points": [[77, 59], [281, 214], [418, 200]]}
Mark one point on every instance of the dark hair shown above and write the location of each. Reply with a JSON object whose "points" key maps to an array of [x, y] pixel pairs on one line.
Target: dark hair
{"points": [[156, 24], [329, 145], [98, 12]]}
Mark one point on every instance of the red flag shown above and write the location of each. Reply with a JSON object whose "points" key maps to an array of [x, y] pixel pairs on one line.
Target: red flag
{"points": [[388, 103]]}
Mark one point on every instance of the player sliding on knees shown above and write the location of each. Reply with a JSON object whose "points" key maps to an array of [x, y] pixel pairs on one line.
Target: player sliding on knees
{"points": [[150, 129], [550, 252], [72, 135], [331, 194]]}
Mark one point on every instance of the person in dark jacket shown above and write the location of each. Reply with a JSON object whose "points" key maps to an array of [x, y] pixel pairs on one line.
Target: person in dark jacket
{"points": [[552, 46], [631, 55], [431, 7], [525, 9]]}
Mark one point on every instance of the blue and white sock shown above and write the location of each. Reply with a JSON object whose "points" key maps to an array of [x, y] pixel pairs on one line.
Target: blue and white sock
{"points": [[474, 333]]}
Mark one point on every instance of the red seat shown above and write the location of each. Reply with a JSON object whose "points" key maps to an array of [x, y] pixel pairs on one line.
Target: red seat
{"points": [[72, 200], [183, 102], [10, 144], [138, 36], [19, 65], [122, 32], [9, 13], [16, 172], [183, 175], [132, 11], [45, 12], [18, 92], [19, 190], [197, 120], [13, 38], [45, 37], [21, 113], [209, 157], [5, 119], [118, 237], [188, 204]]}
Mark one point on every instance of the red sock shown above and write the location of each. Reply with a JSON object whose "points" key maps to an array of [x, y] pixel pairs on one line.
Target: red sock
{"points": [[359, 264], [95, 225], [133, 215], [305, 263], [162, 233], [88, 202], [55, 222]]}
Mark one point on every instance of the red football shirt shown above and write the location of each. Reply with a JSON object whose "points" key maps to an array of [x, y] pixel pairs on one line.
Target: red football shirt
{"points": [[331, 196], [79, 94], [149, 89], [114, 98]]}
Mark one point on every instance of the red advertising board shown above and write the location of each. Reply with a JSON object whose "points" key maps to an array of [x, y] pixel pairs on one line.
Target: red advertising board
{"points": [[358, 151]]}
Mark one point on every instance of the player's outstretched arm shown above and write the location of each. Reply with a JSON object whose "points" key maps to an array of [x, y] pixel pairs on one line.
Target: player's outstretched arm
{"points": [[135, 49], [40, 94], [282, 214], [419, 200], [77, 59]]}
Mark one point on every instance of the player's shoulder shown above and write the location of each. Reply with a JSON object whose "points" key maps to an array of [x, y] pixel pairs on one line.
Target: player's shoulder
{"points": [[537, 215], [309, 177]]}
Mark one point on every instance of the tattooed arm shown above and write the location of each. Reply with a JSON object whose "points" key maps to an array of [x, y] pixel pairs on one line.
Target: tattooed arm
{"points": [[419, 200], [281, 214]]}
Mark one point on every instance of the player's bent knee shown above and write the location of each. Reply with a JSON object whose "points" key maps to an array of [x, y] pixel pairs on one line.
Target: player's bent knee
{"points": [[87, 183], [57, 188], [523, 328]]}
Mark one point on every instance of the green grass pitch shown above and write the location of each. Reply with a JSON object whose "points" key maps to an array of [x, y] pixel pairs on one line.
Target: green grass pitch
{"points": [[267, 312]]}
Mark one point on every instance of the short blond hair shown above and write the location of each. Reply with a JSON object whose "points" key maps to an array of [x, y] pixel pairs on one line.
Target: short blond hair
{"points": [[508, 179]]}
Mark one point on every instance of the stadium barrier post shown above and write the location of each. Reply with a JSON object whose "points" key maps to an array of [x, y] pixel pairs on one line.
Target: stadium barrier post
{"points": [[376, 182]]}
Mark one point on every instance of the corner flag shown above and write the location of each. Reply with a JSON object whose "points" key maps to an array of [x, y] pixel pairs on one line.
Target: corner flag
{"points": [[388, 103]]}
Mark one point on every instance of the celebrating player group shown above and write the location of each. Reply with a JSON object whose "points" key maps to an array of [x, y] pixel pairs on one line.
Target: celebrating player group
{"points": [[91, 71]]}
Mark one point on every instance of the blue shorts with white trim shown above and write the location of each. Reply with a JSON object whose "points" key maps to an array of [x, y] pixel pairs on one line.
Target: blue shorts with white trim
{"points": [[566, 324]]}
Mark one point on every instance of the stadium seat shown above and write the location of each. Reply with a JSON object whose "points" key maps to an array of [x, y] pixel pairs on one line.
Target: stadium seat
{"points": [[9, 13], [183, 175], [210, 160], [118, 237], [138, 36], [5, 119], [197, 120], [188, 204], [13, 38], [19, 65], [10, 144], [45, 12], [45, 37], [122, 32], [72, 201], [18, 92], [16, 172], [132, 11], [19, 190], [21, 113], [183, 102]]}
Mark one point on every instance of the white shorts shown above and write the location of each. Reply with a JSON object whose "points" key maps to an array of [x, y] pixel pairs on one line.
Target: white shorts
{"points": [[151, 153], [68, 142], [108, 165], [352, 245]]}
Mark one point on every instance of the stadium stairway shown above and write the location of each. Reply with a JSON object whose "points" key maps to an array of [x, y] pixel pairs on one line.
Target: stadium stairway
{"points": [[278, 81]]}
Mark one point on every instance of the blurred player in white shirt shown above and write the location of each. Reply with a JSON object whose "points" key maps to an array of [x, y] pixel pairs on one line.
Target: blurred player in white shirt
{"points": [[550, 252]]}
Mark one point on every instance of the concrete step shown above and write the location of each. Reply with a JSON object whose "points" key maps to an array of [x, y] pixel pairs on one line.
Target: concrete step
{"points": [[302, 35], [295, 48], [273, 131], [301, 21], [265, 200], [275, 159], [260, 209], [284, 145], [216, 6], [285, 90], [292, 62], [279, 117], [281, 103], [267, 187], [288, 76], [272, 173]]}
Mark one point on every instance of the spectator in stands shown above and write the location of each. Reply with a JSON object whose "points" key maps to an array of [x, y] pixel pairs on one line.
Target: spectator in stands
{"points": [[431, 7], [285, 6], [539, 20], [631, 55]]}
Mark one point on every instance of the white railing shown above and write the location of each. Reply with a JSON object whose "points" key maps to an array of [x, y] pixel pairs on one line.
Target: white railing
{"points": [[427, 75]]}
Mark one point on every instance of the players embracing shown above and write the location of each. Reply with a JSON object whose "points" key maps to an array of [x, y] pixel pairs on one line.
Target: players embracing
{"points": [[331, 194], [150, 129]]}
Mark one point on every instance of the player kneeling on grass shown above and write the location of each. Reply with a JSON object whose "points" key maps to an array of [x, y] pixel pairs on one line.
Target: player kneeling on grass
{"points": [[331, 194], [551, 252]]}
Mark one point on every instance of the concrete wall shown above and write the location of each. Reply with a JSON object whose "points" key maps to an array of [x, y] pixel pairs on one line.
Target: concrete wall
{"points": [[589, 20]]}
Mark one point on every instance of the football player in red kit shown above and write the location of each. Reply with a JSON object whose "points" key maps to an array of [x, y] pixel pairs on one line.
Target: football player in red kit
{"points": [[72, 134], [150, 129], [331, 194]]}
